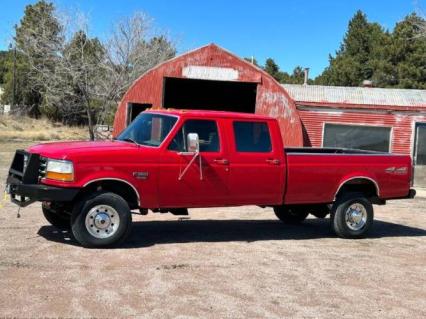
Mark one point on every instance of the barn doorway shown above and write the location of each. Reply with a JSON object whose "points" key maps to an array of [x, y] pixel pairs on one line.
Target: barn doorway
{"points": [[420, 155], [209, 95], [133, 110]]}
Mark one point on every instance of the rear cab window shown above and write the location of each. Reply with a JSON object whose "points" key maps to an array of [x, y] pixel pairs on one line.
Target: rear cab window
{"points": [[207, 131], [252, 137]]}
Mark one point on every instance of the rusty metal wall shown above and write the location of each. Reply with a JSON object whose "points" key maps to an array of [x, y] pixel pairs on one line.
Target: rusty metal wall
{"points": [[208, 61], [402, 124], [362, 97]]}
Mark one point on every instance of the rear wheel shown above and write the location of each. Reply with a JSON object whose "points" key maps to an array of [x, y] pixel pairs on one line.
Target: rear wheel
{"points": [[56, 216], [352, 216], [101, 219], [290, 214]]}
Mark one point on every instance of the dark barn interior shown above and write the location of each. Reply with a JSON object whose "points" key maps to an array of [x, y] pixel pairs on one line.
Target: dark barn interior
{"points": [[133, 110], [209, 95]]}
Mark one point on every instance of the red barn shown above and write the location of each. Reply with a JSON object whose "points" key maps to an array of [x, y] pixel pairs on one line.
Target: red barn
{"points": [[211, 78], [389, 120]]}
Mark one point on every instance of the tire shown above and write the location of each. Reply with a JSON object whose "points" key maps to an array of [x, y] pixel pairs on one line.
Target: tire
{"points": [[56, 217], [352, 216], [100, 220], [290, 214]]}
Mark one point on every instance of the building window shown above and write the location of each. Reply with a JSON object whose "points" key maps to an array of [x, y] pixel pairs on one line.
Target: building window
{"points": [[370, 138], [252, 137]]}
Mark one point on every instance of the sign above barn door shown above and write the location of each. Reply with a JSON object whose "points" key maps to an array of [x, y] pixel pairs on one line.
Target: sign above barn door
{"points": [[210, 73]]}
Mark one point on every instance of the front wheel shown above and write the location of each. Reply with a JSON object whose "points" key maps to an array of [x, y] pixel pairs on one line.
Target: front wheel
{"points": [[290, 214], [101, 220], [352, 216]]}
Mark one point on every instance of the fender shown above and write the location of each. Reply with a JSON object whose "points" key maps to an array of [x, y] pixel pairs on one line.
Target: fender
{"points": [[115, 179], [348, 179]]}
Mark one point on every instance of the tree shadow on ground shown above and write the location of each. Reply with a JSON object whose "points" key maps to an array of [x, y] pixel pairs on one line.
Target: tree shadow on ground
{"points": [[149, 233]]}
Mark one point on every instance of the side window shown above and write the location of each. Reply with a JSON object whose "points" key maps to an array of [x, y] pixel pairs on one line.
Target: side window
{"points": [[207, 133], [252, 137]]}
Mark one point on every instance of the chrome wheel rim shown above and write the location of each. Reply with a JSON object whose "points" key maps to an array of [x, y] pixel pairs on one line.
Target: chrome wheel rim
{"points": [[356, 216], [102, 221]]}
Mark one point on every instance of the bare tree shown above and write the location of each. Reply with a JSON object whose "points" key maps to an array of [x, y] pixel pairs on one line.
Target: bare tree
{"points": [[130, 51], [81, 75], [420, 23]]}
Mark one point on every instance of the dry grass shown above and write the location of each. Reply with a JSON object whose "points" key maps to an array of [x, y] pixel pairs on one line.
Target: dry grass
{"points": [[29, 129]]}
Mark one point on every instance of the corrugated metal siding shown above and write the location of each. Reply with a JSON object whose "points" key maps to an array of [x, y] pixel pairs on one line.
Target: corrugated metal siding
{"points": [[272, 99], [357, 95], [402, 125]]}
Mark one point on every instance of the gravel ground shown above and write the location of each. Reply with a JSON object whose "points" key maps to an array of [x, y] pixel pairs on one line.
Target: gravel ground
{"points": [[219, 263]]}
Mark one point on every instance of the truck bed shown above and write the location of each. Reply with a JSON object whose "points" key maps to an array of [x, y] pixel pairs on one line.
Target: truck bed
{"points": [[316, 174], [330, 150]]}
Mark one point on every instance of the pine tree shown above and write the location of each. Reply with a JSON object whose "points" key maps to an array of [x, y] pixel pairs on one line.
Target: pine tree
{"points": [[37, 23], [396, 59], [272, 68], [353, 62], [3, 67], [408, 54]]}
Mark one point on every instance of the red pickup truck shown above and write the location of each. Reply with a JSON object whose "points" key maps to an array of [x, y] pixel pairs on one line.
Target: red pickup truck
{"points": [[169, 161]]}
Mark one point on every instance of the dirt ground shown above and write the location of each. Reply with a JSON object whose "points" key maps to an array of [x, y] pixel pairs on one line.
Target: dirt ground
{"points": [[220, 263]]}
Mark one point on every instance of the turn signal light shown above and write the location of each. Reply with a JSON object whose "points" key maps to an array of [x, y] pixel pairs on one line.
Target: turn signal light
{"points": [[64, 177]]}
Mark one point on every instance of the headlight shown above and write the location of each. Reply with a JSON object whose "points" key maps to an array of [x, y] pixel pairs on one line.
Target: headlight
{"points": [[60, 170]]}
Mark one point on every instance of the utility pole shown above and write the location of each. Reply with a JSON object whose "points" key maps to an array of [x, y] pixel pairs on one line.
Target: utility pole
{"points": [[12, 106]]}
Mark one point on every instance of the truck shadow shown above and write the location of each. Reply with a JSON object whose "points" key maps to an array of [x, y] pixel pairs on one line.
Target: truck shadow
{"points": [[149, 233]]}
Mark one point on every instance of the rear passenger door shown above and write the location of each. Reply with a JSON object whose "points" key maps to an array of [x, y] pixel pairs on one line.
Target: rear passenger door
{"points": [[256, 164]]}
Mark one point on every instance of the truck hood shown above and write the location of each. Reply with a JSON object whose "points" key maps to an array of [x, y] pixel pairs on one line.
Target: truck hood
{"points": [[68, 150]]}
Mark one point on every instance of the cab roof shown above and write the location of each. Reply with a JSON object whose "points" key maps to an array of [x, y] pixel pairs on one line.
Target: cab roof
{"points": [[204, 113]]}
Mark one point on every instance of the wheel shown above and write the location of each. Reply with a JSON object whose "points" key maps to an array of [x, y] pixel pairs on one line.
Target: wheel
{"points": [[56, 216], [290, 214], [352, 216], [101, 220]]}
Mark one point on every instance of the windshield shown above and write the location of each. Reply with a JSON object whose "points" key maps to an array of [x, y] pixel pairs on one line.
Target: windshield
{"points": [[148, 129]]}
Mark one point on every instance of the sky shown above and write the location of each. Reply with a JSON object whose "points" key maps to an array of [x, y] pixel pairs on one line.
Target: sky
{"points": [[293, 32]]}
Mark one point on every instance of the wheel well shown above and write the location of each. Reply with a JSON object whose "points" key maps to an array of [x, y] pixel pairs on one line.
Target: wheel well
{"points": [[115, 186], [359, 185]]}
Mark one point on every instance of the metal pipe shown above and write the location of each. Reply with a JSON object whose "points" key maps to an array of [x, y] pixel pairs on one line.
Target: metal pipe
{"points": [[306, 72]]}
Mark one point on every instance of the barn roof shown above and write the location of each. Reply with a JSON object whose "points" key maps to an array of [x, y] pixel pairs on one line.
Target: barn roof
{"points": [[361, 96], [210, 113]]}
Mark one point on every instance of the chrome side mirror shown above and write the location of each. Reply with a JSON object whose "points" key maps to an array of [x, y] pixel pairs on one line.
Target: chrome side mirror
{"points": [[193, 142]]}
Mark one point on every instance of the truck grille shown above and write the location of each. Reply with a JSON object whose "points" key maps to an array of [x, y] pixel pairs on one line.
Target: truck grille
{"points": [[18, 163], [25, 167], [42, 168]]}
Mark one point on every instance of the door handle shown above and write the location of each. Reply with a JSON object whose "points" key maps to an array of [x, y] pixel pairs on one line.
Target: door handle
{"points": [[222, 161], [273, 161]]}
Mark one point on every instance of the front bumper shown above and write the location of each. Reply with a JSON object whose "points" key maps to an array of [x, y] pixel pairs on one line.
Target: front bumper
{"points": [[26, 194]]}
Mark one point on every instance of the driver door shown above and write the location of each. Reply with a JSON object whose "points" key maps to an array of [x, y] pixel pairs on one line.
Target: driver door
{"points": [[185, 181]]}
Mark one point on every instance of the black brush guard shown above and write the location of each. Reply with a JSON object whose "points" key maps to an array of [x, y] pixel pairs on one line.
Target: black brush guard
{"points": [[23, 182]]}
